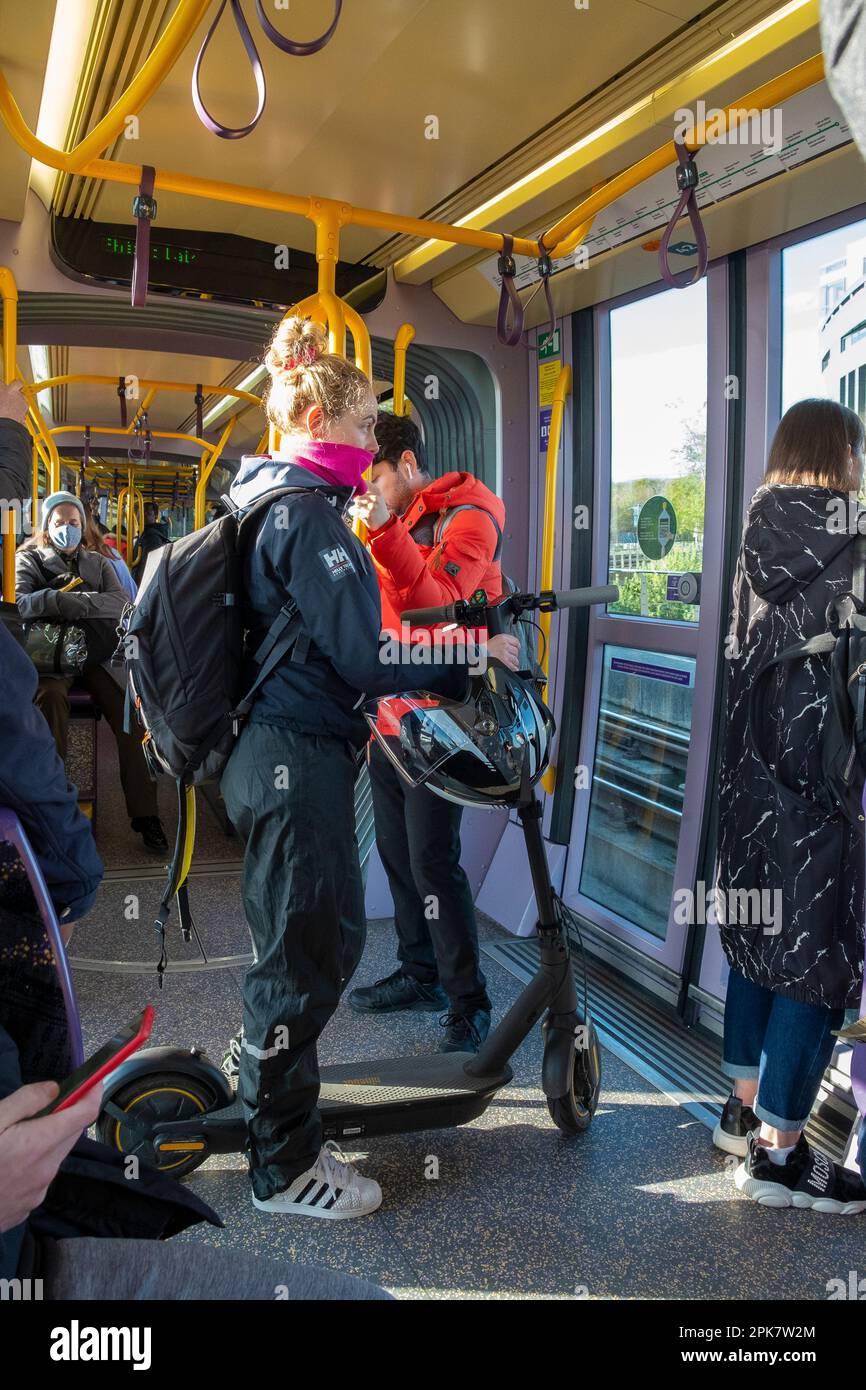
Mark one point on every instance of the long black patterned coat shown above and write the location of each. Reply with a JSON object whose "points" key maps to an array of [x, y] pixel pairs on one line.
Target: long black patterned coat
{"points": [[809, 945]]}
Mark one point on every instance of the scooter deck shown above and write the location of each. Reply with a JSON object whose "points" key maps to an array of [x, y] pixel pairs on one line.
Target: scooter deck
{"points": [[364, 1100], [400, 1094]]}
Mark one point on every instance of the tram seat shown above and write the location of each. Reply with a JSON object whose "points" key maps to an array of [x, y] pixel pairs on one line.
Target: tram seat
{"points": [[81, 747]]}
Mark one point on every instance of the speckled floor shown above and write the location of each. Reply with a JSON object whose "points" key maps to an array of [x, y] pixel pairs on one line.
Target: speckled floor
{"points": [[641, 1206]]}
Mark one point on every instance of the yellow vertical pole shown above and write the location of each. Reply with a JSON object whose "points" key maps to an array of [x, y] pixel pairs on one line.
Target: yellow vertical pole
{"points": [[405, 335], [548, 536], [9, 292]]}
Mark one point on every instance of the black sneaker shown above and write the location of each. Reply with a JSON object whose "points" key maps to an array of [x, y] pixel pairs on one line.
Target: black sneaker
{"points": [[732, 1131], [807, 1178], [151, 831], [395, 992], [465, 1032]]}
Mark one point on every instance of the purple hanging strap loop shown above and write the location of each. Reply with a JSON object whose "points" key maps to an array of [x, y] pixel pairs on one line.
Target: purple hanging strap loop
{"points": [[199, 405], [687, 183], [509, 299], [121, 396], [298, 48], [215, 127], [144, 209], [12, 831], [545, 270]]}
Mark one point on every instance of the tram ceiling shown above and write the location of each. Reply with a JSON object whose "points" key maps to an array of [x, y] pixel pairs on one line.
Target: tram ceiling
{"points": [[353, 122]]}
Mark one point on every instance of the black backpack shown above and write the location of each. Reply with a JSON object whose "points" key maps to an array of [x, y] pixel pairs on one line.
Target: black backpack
{"points": [[843, 735], [523, 628], [184, 650]]}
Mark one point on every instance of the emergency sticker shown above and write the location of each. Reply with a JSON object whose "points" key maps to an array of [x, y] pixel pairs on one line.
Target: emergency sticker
{"points": [[337, 561]]}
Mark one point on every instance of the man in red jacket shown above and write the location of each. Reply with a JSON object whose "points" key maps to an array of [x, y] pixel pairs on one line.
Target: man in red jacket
{"points": [[432, 541]]}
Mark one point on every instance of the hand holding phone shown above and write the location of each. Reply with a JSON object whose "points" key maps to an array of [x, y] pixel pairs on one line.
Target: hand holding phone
{"points": [[32, 1150], [125, 1041]]}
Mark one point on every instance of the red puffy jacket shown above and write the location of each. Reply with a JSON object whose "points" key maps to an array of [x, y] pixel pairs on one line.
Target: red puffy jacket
{"points": [[416, 573]]}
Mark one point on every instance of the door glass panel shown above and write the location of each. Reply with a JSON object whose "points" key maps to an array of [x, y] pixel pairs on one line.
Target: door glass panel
{"points": [[638, 780], [824, 318], [658, 365]]}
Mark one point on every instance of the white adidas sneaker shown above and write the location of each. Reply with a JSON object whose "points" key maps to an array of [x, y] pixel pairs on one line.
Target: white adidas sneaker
{"points": [[332, 1189]]}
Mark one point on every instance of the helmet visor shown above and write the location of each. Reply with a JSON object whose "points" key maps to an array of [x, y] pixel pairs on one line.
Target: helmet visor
{"points": [[418, 733]]}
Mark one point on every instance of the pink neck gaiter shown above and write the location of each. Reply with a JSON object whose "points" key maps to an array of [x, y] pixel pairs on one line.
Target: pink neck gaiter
{"points": [[341, 464]]}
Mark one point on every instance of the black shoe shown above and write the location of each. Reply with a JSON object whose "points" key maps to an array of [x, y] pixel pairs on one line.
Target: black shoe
{"points": [[395, 992], [151, 831], [807, 1178], [732, 1131], [465, 1032]]}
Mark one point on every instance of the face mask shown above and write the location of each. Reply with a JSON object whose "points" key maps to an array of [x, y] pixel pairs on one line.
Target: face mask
{"points": [[65, 537]]}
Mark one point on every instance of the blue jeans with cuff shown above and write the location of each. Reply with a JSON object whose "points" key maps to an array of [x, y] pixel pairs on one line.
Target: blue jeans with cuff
{"points": [[784, 1044]]}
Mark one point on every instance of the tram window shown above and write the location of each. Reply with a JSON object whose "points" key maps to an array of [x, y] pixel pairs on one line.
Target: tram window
{"points": [[638, 779], [824, 318], [658, 440]]}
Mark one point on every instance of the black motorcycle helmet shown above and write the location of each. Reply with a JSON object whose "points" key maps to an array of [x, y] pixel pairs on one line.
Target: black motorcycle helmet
{"points": [[486, 751]]}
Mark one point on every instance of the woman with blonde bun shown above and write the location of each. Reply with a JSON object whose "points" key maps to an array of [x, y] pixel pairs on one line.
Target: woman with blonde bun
{"points": [[289, 784]]}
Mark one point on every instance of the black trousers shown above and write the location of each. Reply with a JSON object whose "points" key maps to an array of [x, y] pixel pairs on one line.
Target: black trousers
{"points": [[291, 798], [418, 837]]}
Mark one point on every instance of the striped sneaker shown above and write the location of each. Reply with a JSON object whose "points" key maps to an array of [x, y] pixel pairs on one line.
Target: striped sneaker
{"points": [[331, 1189], [230, 1066]]}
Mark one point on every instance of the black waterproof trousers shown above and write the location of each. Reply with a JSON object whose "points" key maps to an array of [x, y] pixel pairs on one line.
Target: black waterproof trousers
{"points": [[290, 796], [418, 838]]}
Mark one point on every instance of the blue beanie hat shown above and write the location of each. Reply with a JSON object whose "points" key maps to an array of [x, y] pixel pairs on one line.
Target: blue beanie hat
{"points": [[56, 500]]}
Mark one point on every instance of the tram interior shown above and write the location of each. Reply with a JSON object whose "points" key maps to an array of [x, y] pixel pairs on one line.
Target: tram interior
{"points": [[642, 411]]}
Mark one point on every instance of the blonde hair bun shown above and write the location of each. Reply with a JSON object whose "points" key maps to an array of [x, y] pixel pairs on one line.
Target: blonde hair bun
{"points": [[296, 345]]}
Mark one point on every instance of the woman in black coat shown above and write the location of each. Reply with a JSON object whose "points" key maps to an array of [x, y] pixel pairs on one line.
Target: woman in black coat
{"points": [[789, 881]]}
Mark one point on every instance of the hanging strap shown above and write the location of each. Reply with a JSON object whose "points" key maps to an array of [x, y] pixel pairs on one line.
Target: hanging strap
{"points": [[144, 210], [545, 270], [121, 396], [509, 299], [687, 183], [199, 408], [216, 127], [298, 48], [86, 456]]}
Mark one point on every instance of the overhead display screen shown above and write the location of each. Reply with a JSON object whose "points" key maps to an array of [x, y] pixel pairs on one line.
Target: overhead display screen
{"points": [[236, 269]]}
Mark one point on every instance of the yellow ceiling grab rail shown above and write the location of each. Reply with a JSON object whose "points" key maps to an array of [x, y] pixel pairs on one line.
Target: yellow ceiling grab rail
{"points": [[404, 336], [154, 70]]}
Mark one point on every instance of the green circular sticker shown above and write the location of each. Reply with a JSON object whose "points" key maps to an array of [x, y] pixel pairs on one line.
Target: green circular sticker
{"points": [[656, 527]]}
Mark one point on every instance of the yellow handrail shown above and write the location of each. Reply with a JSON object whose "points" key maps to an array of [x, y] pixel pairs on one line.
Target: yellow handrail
{"points": [[771, 94], [154, 70], [207, 467], [9, 293], [405, 335], [548, 538]]}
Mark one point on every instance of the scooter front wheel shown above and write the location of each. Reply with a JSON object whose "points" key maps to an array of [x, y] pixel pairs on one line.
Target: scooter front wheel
{"points": [[148, 1102], [573, 1112]]}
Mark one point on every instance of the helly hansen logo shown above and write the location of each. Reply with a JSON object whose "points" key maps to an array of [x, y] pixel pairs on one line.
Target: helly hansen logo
{"points": [[337, 562]]}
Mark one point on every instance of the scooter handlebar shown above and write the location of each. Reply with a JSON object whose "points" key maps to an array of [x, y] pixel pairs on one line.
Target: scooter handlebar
{"points": [[583, 598], [426, 617]]}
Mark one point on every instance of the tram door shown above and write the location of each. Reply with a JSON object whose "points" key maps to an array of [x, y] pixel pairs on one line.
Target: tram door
{"points": [[651, 657]]}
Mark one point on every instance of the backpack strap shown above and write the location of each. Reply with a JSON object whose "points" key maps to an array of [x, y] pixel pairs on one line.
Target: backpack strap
{"points": [[822, 645], [858, 569], [445, 520]]}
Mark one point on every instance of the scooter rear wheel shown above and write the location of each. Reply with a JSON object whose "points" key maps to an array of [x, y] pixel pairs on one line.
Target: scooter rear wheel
{"points": [[573, 1112], [150, 1101]]}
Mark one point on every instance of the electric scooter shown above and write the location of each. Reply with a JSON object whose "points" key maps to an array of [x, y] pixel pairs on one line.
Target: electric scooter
{"points": [[174, 1107]]}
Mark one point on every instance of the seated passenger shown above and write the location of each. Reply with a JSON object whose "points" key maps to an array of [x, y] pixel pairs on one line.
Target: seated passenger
{"points": [[427, 553], [58, 580], [797, 962], [289, 783]]}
